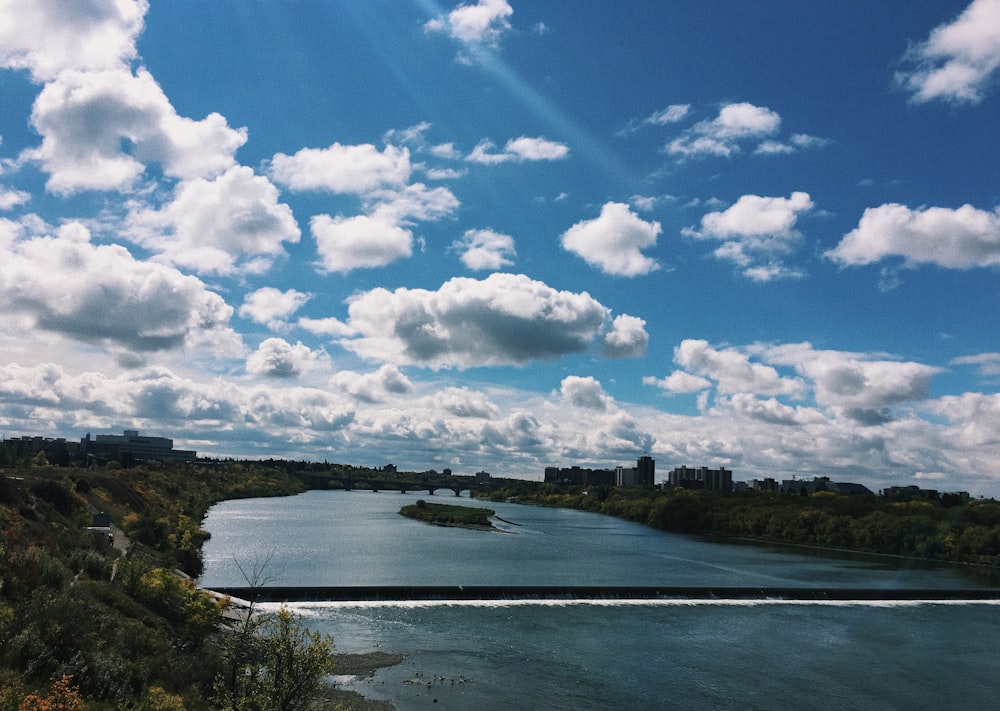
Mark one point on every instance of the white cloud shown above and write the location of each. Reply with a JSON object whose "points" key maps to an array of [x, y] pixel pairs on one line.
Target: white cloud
{"points": [[614, 241], [505, 319], [674, 113], [485, 249], [771, 411], [412, 202], [958, 60], [272, 307], [343, 169], [463, 402], [361, 242], [585, 392], [9, 198], [976, 417], [373, 387], [326, 327], [723, 135], [795, 143], [231, 224], [989, 363], [679, 382], [86, 119], [277, 358], [962, 238], [519, 150], [756, 233], [102, 295], [627, 338], [860, 386], [864, 389], [485, 22], [48, 37], [732, 370]]}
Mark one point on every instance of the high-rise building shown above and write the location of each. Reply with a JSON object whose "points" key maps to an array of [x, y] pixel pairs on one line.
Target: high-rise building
{"points": [[646, 471]]}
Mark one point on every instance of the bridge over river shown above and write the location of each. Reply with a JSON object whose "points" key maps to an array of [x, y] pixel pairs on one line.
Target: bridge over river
{"points": [[594, 592], [376, 483]]}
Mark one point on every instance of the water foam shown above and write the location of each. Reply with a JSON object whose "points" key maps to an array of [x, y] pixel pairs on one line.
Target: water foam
{"points": [[305, 608]]}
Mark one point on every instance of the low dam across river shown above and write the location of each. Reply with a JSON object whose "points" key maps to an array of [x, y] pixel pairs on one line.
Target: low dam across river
{"points": [[406, 593]]}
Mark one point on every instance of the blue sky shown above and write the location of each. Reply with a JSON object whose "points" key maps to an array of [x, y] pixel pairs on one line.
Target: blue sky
{"points": [[509, 234]]}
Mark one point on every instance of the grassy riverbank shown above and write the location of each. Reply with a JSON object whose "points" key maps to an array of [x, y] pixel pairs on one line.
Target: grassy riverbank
{"points": [[450, 515]]}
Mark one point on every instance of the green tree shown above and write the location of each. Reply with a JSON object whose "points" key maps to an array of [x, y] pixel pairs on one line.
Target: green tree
{"points": [[273, 663]]}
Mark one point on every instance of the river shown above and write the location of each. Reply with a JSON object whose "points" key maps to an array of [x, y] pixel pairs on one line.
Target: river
{"points": [[601, 654]]}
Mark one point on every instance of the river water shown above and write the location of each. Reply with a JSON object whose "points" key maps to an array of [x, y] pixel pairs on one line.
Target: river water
{"points": [[583, 655]]}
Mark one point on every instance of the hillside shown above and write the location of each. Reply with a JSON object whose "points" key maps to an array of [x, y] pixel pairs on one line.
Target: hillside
{"points": [[146, 639]]}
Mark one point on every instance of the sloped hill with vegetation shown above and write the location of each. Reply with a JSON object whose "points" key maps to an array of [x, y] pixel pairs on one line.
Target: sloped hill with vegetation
{"points": [[87, 627]]}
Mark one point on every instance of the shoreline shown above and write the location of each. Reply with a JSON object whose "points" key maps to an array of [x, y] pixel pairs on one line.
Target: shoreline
{"points": [[359, 667]]}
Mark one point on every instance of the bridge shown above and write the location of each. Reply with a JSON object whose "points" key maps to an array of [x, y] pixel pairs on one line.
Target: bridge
{"points": [[390, 593], [403, 486]]}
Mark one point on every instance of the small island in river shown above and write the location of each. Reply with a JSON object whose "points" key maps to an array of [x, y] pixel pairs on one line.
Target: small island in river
{"points": [[450, 515]]}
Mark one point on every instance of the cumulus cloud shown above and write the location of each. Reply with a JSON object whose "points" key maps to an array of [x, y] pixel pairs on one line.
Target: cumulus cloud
{"points": [[231, 224], [756, 233], [585, 392], [976, 419], [277, 358], [258, 414], [86, 120], [679, 382], [463, 402], [722, 136], [325, 327], [47, 37], [857, 385], [771, 411], [342, 169], [412, 202], [962, 238], [958, 61], [627, 338], [361, 242], [9, 198], [863, 389], [485, 249], [100, 294], [505, 319], [613, 242], [271, 306], [732, 371], [518, 150], [373, 387], [485, 22]]}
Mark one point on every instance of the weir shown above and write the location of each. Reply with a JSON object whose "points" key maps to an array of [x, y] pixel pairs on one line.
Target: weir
{"points": [[406, 593]]}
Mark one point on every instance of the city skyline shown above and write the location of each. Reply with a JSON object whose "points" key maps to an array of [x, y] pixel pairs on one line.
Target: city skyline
{"points": [[501, 234]]}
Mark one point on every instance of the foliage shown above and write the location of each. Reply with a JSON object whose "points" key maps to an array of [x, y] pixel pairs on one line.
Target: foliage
{"points": [[142, 641], [448, 514], [946, 530], [273, 663], [62, 696]]}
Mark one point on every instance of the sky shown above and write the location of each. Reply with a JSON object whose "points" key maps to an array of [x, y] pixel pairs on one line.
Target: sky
{"points": [[509, 234]]}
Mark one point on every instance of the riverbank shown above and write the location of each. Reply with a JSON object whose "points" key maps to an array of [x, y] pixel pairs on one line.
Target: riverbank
{"points": [[354, 667]]}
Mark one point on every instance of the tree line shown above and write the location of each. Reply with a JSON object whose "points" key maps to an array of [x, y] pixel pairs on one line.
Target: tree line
{"points": [[948, 529]]}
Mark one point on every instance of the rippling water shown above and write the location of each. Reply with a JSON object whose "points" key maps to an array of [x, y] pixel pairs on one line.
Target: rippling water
{"points": [[627, 654]]}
